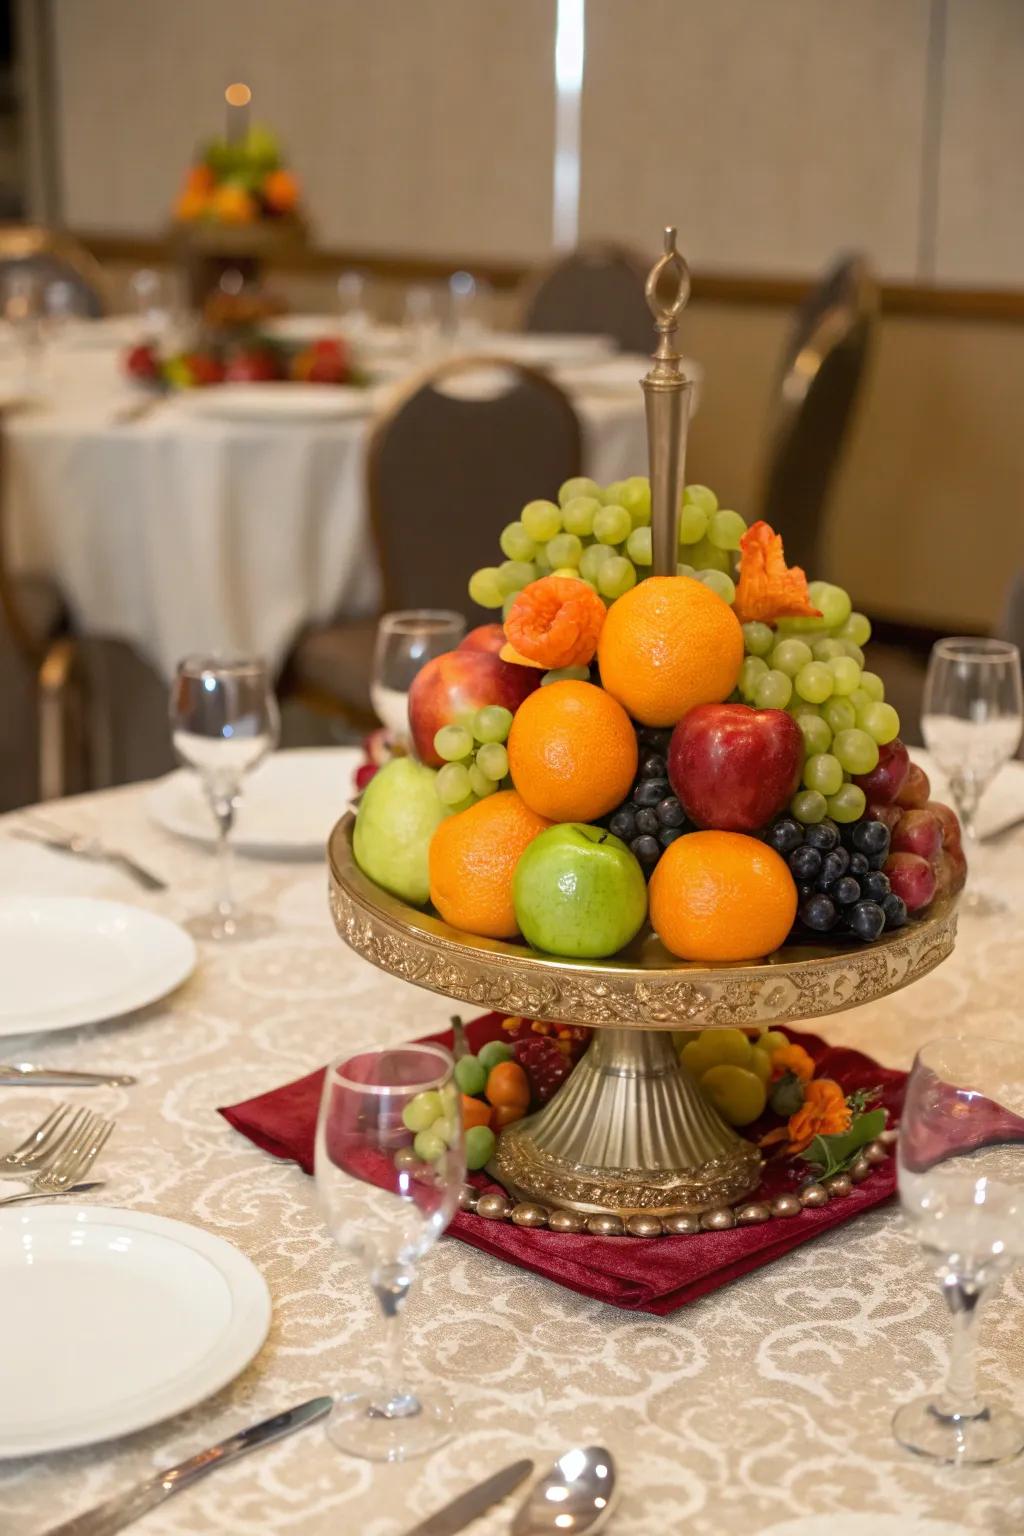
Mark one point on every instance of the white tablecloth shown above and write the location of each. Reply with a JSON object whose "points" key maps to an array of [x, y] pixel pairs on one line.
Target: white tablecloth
{"points": [[766, 1401], [178, 533]]}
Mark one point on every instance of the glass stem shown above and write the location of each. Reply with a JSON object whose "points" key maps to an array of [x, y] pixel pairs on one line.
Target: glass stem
{"points": [[224, 809], [391, 1285], [963, 1296]]}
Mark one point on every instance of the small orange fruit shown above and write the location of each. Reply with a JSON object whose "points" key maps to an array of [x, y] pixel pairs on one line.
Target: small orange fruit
{"points": [[507, 1084], [718, 896], [472, 859], [668, 645], [231, 204], [475, 1112], [281, 191], [555, 622], [572, 751]]}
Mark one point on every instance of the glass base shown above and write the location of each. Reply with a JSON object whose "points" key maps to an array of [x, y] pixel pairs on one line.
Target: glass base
{"points": [[230, 926], [360, 1426], [992, 1435]]}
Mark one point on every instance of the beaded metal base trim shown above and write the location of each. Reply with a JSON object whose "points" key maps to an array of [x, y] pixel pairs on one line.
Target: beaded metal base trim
{"points": [[494, 1207]]}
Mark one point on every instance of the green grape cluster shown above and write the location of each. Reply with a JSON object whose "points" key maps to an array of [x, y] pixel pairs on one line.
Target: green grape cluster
{"points": [[602, 534], [814, 668], [475, 757]]}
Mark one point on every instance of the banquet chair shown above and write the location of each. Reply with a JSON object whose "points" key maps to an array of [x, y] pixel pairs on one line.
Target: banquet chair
{"points": [[819, 381], [448, 465], [53, 256], [597, 290]]}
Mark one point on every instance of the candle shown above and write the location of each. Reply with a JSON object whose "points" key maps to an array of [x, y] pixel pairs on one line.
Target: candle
{"points": [[238, 97]]}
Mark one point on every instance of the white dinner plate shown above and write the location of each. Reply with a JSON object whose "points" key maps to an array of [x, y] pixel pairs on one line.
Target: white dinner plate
{"points": [[277, 402], [287, 808], [114, 1320], [1002, 802], [68, 960], [537, 350]]}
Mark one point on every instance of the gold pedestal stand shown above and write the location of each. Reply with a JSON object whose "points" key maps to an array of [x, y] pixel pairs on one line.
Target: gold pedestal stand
{"points": [[629, 1133]]}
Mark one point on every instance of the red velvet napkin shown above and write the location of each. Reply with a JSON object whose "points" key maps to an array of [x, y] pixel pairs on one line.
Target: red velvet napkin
{"points": [[656, 1275]]}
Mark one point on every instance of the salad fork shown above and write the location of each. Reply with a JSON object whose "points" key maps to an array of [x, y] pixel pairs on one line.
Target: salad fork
{"points": [[42, 1145], [74, 1161]]}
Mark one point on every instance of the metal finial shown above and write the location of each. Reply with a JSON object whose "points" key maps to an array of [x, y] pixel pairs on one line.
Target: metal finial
{"points": [[667, 401], [666, 316]]}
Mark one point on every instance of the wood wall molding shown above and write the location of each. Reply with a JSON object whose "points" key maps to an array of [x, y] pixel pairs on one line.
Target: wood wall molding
{"points": [[906, 299]]}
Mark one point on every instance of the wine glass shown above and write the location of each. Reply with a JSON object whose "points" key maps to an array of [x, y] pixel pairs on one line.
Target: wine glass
{"points": [[389, 1164], [224, 721], [352, 311], [155, 302], [406, 642], [422, 320], [972, 717], [469, 302], [961, 1183], [22, 308]]}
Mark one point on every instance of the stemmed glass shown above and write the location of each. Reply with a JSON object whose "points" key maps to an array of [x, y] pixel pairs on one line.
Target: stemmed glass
{"points": [[961, 1182], [406, 641], [352, 311], [422, 319], [224, 721], [389, 1165], [469, 302], [22, 307], [972, 717]]}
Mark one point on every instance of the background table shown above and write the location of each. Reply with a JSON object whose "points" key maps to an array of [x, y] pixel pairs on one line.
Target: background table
{"points": [[180, 533], [768, 1400]]}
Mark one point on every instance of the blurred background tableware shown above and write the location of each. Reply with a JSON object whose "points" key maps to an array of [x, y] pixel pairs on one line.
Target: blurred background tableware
{"points": [[12, 1074], [224, 722], [577, 1495], [476, 1501], [290, 804], [423, 314], [40, 829], [470, 309], [101, 959], [145, 1317], [389, 1163], [972, 717], [354, 317], [405, 642], [961, 1185], [155, 298], [21, 290]]}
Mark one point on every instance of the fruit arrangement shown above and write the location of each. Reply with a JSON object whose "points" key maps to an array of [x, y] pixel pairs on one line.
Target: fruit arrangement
{"points": [[238, 183], [249, 358], [706, 753]]}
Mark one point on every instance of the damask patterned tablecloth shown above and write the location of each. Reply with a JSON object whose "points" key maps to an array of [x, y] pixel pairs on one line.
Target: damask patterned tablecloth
{"points": [[764, 1402]]}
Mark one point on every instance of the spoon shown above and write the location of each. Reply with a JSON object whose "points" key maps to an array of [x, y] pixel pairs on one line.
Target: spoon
{"points": [[576, 1495]]}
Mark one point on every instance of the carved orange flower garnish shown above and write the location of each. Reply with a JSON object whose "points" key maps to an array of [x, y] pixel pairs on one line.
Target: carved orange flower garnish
{"points": [[824, 1112], [554, 622], [769, 589]]}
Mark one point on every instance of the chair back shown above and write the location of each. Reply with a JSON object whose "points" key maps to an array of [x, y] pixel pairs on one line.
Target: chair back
{"points": [[54, 257], [819, 381], [598, 290], [456, 458]]}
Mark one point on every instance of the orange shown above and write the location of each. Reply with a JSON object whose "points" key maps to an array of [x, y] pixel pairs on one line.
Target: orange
{"points": [[667, 645], [721, 896], [231, 204], [572, 751], [281, 191], [555, 622], [472, 859]]}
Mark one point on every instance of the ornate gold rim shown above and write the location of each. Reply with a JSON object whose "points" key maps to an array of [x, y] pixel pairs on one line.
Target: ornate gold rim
{"points": [[645, 988]]}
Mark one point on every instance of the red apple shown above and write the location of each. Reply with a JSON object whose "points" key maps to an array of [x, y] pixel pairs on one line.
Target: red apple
{"points": [[486, 637], [950, 872], [461, 682], [885, 780], [918, 832], [912, 878], [142, 363], [892, 815], [734, 767], [915, 790], [949, 823], [251, 365], [206, 369]]}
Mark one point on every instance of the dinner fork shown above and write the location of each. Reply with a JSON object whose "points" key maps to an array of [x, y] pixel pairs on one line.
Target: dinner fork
{"points": [[39, 830], [74, 1160], [43, 1144]]}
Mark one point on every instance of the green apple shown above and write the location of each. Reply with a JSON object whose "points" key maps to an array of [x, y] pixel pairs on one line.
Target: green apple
{"points": [[397, 816], [579, 892]]}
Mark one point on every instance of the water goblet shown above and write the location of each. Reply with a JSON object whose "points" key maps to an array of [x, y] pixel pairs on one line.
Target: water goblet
{"points": [[389, 1164], [224, 721], [353, 315], [469, 307], [406, 641], [972, 717], [961, 1182], [422, 320]]}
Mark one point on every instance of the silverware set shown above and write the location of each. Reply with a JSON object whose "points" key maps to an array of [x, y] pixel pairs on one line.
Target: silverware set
{"points": [[56, 1156], [39, 829]]}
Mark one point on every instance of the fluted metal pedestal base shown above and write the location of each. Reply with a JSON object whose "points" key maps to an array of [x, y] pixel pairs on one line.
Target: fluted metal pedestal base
{"points": [[628, 1134]]}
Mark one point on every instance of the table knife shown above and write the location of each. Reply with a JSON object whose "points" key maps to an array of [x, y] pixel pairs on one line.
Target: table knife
{"points": [[120, 1511], [458, 1514], [16, 1072]]}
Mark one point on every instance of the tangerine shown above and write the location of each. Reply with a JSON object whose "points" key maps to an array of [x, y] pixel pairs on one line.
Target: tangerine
{"points": [[472, 859], [718, 896], [555, 622], [572, 752], [668, 645]]}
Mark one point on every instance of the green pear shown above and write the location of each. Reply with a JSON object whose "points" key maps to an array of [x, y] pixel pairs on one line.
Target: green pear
{"points": [[397, 816]]}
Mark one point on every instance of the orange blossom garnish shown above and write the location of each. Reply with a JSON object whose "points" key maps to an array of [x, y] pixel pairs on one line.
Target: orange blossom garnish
{"points": [[824, 1112], [554, 622], [792, 1058], [769, 589]]}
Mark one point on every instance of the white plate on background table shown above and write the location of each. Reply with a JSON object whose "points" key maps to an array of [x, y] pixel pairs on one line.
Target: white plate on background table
{"points": [[69, 960], [1002, 802], [287, 806], [114, 1320], [277, 402], [539, 350]]}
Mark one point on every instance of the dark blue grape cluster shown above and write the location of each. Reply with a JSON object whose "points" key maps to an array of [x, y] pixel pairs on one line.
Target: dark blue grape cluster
{"points": [[652, 817], [841, 886]]}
